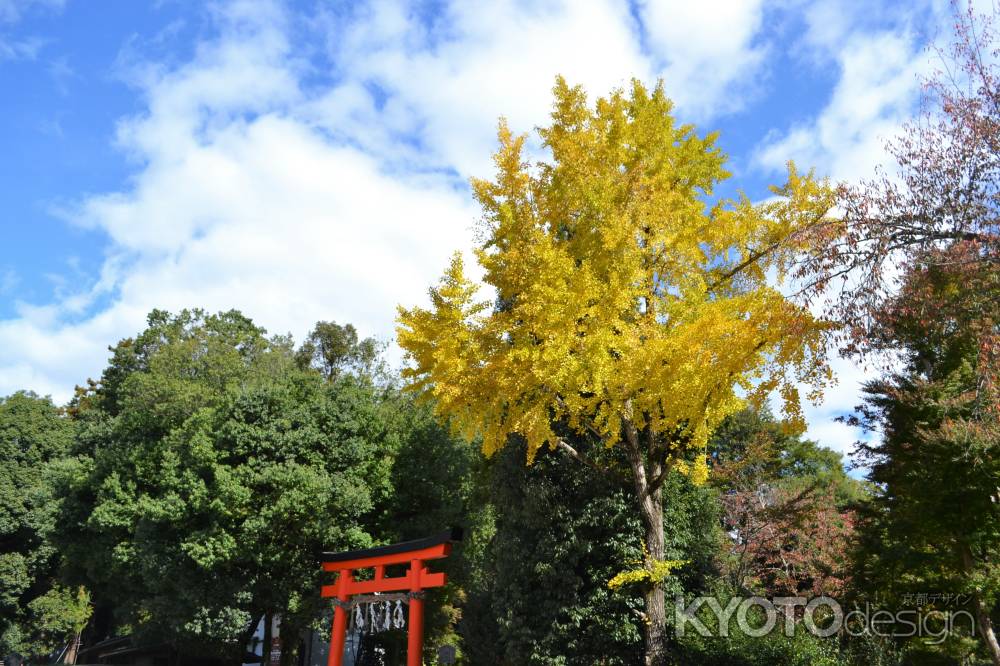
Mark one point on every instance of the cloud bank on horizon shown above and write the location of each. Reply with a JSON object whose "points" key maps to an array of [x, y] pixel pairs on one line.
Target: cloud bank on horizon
{"points": [[310, 161]]}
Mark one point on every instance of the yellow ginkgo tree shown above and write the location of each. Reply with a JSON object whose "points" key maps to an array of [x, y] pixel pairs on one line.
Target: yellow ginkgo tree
{"points": [[626, 304]]}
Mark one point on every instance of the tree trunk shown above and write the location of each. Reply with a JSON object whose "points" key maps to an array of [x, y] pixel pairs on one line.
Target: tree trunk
{"points": [[265, 650], [73, 649], [986, 629], [291, 642], [651, 509], [982, 612], [656, 613]]}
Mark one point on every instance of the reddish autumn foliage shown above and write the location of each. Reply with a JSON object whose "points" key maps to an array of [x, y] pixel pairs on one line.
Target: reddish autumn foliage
{"points": [[786, 541], [784, 503], [935, 218]]}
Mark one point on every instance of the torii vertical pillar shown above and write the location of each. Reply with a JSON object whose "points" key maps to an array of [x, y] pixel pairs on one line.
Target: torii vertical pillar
{"points": [[417, 579]]}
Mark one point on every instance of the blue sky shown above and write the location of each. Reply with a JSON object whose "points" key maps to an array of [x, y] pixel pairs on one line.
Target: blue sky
{"points": [[309, 160]]}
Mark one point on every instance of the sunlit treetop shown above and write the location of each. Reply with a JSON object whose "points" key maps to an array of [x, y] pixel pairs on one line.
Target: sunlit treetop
{"points": [[627, 299]]}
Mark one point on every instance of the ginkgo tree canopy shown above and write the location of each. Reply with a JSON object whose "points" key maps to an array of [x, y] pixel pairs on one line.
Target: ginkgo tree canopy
{"points": [[624, 293]]}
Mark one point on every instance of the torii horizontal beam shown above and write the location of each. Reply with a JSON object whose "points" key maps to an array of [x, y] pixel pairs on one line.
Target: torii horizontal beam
{"points": [[417, 579]]}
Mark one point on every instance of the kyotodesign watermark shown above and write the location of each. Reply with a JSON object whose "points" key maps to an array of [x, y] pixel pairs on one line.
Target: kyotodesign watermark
{"points": [[821, 616]]}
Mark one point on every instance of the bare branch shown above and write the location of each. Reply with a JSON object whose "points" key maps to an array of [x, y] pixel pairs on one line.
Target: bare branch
{"points": [[566, 448]]}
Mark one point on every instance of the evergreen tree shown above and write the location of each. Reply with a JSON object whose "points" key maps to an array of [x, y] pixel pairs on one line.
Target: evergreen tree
{"points": [[213, 471], [933, 525], [562, 533], [37, 613]]}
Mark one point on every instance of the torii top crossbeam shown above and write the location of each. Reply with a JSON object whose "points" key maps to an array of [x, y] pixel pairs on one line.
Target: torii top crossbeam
{"points": [[417, 579]]}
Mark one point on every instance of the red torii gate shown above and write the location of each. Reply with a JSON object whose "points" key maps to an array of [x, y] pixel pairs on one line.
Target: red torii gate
{"points": [[417, 579]]}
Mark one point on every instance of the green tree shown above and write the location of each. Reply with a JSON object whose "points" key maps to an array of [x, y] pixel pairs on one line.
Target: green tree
{"points": [[335, 350], [784, 506], [934, 523], [433, 489], [216, 470], [37, 613], [561, 534]]}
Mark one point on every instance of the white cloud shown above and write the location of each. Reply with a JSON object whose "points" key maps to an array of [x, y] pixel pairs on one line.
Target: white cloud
{"points": [[708, 52], [19, 49], [877, 91], [839, 401], [296, 202], [238, 204], [448, 83], [23, 47], [9, 279], [299, 188]]}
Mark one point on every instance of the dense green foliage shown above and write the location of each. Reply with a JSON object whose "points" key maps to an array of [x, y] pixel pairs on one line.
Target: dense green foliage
{"points": [[560, 535], [200, 477], [434, 486], [777, 495], [787, 505], [37, 613], [737, 649], [933, 525], [212, 472], [561, 532], [190, 490]]}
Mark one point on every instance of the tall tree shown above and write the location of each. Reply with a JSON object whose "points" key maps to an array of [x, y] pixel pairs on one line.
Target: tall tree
{"points": [[912, 269], [335, 350], [561, 534], [934, 522], [433, 488], [628, 307], [37, 613], [215, 472]]}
